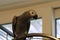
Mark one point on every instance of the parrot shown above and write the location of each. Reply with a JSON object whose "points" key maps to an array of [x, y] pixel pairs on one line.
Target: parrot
{"points": [[21, 23]]}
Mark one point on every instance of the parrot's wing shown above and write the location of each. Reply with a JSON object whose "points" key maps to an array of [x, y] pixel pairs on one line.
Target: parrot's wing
{"points": [[14, 25]]}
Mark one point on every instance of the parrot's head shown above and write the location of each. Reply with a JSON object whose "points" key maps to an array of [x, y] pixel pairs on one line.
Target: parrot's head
{"points": [[28, 15], [33, 14]]}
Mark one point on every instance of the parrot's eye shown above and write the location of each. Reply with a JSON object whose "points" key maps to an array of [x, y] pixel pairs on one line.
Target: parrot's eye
{"points": [[32, 12]]}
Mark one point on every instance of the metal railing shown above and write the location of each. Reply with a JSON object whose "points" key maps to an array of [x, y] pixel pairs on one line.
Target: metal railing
{"points": [[36, 35]]}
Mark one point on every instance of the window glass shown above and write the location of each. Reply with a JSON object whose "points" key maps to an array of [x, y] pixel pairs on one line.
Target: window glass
{"points": [[8, 26], [58, 28], [35, 26], [3, 35]]}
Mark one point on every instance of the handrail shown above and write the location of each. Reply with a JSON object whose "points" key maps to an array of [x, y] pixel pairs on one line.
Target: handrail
{"points": [[37, 34]]}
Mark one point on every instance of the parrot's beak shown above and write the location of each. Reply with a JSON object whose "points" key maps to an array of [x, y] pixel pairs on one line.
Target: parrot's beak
{"points": [[35, 17]]}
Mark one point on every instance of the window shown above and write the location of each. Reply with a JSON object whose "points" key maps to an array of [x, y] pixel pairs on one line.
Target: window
{"points": [[35, 27], [58, 28], [3, 34], [8, 26]]}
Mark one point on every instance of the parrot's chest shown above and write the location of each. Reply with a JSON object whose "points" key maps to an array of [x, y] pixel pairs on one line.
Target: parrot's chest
{"points": [[21, 27]]}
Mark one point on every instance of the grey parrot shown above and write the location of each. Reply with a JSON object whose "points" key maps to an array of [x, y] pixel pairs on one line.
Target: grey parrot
{"points": [[21, 24]]}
